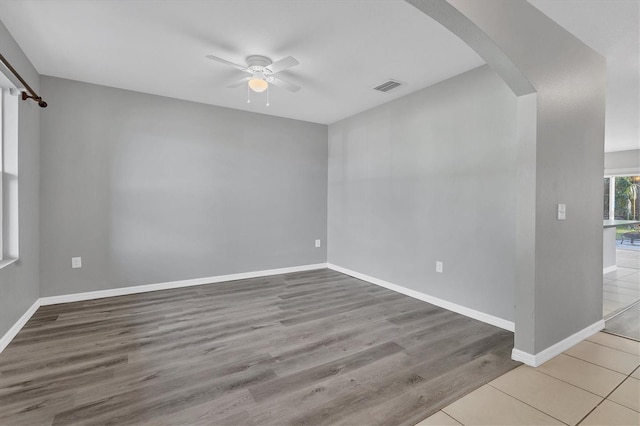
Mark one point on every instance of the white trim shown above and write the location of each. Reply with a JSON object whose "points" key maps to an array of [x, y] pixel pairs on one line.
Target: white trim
{"points": [[555, 350], [524, 357], [612, 196], [609, 269], [463, 310], [7, 262], [77, 297], [626, 171], [11, 333]]}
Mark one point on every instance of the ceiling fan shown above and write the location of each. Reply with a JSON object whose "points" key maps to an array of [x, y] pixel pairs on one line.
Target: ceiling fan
{"points": [[262, 71]]}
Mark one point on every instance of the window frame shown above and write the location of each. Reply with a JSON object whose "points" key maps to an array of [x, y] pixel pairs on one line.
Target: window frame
{"points": [[9, 241], [2, 167]]}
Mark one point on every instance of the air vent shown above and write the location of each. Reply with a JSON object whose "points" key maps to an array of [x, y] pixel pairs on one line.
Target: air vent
{"points": [[387, 86]]}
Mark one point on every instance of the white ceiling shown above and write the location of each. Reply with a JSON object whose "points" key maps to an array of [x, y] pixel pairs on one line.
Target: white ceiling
{"points": [[345, 47], [611, 28]]}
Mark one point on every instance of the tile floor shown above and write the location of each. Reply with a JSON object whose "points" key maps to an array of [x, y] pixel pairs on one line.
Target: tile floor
{"points": [[597, 382], [626, 324], [621, 287]]}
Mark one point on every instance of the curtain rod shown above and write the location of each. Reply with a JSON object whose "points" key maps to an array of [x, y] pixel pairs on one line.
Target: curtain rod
{"points": [[32, 94]]}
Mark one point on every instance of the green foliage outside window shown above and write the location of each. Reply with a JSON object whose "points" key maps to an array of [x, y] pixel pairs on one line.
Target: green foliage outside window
{"points": [[627, 198]]}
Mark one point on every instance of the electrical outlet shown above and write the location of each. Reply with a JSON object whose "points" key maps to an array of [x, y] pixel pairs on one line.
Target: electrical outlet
{"points": [[76, 262], [318, 243], [439, 266]]}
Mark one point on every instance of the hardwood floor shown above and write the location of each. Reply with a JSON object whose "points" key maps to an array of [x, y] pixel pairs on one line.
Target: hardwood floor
{"points": [[314, 347]]}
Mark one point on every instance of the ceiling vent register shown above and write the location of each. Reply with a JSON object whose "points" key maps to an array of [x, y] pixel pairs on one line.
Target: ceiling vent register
{"points": [[388, 86]]}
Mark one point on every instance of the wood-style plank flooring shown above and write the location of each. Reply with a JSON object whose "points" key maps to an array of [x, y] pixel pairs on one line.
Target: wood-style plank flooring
{"points": [[311, 348]]}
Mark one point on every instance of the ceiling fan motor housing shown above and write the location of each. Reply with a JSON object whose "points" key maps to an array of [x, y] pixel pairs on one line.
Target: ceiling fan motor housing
{"points": [[257, 63]]}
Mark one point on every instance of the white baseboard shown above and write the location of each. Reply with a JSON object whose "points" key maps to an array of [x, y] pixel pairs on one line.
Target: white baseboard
{"points": [[77, 297], [609, 269], [555, 350], [529, 359], [463, 310], [11, 333]]}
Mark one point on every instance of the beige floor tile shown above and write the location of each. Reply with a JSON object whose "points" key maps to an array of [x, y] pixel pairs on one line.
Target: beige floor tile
{"points": [[613, 288], [609, 413], [561, 400], [626, 284], [614, 303], [622, 253], [619, 273], [606, 357], [620, 293], [609, 307], [631, 278], [636, 373], [439, 419], [628, 253], [616, 342], [628, 394], [629, 263], [489, 406], [585, 375], [626, 299]]}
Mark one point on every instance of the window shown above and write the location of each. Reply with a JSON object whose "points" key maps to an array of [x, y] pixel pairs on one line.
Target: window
{"points": [[622, 197], [607, 201], [627, 197], [8, 175]]}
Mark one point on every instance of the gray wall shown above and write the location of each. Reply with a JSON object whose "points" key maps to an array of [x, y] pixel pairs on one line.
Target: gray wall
{"points": [[431, 176], [150, 189], [19, 282], [559, 263], [622, 162]]}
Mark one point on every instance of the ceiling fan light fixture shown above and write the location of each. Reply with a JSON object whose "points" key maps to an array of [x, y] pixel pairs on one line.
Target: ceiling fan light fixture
{"points": [[258, 83]]}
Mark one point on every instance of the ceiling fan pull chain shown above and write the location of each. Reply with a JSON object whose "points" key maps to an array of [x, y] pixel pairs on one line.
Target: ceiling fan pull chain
{"points": [[268, 95], [248, 95]]}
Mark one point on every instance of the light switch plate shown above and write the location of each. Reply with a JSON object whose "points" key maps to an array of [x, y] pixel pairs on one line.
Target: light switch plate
{"points": [[562, 211], [76, 262], [318, 243]]}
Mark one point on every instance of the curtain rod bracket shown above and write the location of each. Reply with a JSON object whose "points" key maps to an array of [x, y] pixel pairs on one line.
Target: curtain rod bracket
{"points": [[38, 99]]}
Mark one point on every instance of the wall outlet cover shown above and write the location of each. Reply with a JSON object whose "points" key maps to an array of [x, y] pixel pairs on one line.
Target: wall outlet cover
{"points": [[76, 262]]}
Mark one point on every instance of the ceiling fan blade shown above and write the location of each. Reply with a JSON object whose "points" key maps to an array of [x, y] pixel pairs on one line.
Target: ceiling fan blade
{"points": [[283, 64], [239, 83], [285, 84], [224, 61]]}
